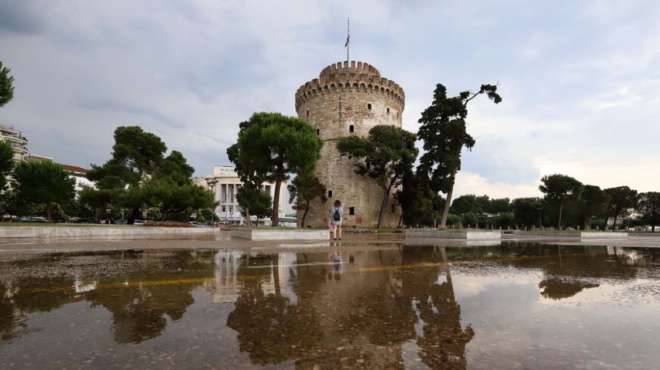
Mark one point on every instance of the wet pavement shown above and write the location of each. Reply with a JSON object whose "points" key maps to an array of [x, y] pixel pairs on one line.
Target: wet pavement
{"points": [[371, 301]]}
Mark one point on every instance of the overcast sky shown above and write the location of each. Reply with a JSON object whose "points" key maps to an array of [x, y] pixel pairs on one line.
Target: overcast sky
{"points": [[580, 80]]}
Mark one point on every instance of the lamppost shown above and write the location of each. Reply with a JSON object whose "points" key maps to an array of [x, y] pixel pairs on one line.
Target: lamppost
{"points": [[211, 184]]}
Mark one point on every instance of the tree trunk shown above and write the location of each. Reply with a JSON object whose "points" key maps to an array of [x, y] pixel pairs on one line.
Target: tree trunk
{"points": [[445, 210], [247, 216], [304, 216], [276, 199], [561, 207], [49, 210], [386, 196]]}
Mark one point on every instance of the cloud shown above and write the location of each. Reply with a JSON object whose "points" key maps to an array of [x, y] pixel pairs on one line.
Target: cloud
{"points": [[579, 82]]}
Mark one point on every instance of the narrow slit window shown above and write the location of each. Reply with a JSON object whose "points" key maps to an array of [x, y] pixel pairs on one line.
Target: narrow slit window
{"points": [[388, 110], [307, 114], [329, 193], [369, 106], [351, 211], [351, 128], [318, 132]]}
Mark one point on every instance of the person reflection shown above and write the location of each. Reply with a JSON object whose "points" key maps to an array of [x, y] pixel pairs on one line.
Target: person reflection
{"points": [[337, 265]]}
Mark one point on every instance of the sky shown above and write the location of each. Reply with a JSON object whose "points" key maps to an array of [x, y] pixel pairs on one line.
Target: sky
{"points": [[579, 80]]}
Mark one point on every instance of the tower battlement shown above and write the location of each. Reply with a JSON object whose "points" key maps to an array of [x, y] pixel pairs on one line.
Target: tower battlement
{"points": [[353, 76]]}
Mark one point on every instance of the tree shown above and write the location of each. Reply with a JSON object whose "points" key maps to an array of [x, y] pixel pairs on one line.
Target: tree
{"points": [[418, 202], [558, 188], [593, 202], [171, 188], [466, 204], [6, 162], [527, 211], [649, 207], [254, 201], [501, 205], [443, 131], [6, 85], [303, 189], [44, 182], [271, 146], [136, 155], [384, 155], [622, 200]]}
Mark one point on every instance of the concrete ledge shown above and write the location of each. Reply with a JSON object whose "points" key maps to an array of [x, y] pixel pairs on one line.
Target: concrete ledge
{"points": [[73, 231], [450, 234], [575, 234], [284, 234]]}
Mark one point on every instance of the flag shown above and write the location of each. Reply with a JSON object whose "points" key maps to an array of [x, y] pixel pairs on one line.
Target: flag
{"points": [[348, 38]]}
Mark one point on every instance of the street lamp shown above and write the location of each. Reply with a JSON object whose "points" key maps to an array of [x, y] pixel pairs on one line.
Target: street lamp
{"points": [[211, 184]]}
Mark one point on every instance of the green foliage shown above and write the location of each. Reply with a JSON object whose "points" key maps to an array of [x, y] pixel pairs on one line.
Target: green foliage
{"points": [[527, 211], [465, 204], [45, 183], [558, 189], [271, 146], [593, 202], [138, 176], [385, 155], [622, 201], [418, 202], [453, 220], [6, 85], [303, 189], [649, 207], [255, 201], [504, 221], [6, 162], [469, 220], [444, 133]]}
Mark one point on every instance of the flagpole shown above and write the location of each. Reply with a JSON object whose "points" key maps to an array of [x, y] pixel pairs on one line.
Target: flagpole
{"points": [[348, 39]]}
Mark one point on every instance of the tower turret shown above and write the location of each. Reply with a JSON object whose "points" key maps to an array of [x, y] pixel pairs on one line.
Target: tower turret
{"points": [[349, 99]]}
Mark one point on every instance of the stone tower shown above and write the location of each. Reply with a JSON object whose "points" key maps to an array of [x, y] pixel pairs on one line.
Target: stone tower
{"points": [[349, 99]]}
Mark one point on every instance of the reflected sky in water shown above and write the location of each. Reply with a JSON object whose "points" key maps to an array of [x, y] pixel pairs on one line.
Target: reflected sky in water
{"points": [[518, 305]]}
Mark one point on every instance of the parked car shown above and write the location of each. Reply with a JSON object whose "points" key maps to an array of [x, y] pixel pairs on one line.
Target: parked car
{"points": [[121, 222], [138, 222], [81, 220], [32, 219]]}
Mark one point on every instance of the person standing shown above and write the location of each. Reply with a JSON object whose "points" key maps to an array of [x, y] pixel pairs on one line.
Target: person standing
{"points": [[337, 216]]}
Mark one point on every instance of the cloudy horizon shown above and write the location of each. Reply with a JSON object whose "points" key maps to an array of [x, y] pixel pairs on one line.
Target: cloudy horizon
{"points": [[578, 80]]}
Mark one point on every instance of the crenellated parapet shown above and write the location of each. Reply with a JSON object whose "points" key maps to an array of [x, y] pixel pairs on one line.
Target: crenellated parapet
{"points": [[355, 76]]}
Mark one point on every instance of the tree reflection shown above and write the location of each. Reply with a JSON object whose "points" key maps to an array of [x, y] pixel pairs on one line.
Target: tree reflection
{"points": [[140, 302], [557, 289], [270, 328], [443, 340]]}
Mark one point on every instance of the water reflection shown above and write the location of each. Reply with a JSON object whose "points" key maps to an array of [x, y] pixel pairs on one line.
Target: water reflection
{"points": [[396, 307]]}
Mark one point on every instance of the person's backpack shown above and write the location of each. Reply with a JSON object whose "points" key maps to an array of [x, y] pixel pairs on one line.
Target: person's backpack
{"points": [[336, 216]]}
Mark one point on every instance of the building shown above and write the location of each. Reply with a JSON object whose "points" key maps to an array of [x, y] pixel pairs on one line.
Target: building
{"points": [[349, 99], [224, 183], [79, 174], [17, 141]]}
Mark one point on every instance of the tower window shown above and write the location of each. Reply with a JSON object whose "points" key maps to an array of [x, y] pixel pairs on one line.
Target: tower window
{"points": [[369, 106], [351, 211], [351, 128], [329, 193], [388, 110], [318, 131], [307, 114]]}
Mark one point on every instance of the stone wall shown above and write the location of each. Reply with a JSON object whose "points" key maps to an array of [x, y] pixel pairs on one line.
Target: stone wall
{"points": [[349, 99]]}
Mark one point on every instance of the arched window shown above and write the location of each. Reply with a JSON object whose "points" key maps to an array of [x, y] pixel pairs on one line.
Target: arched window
{"points": [[308, 114], [351, 129], [388, 110], [369, 106], [318, 132], [329, 193]]}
